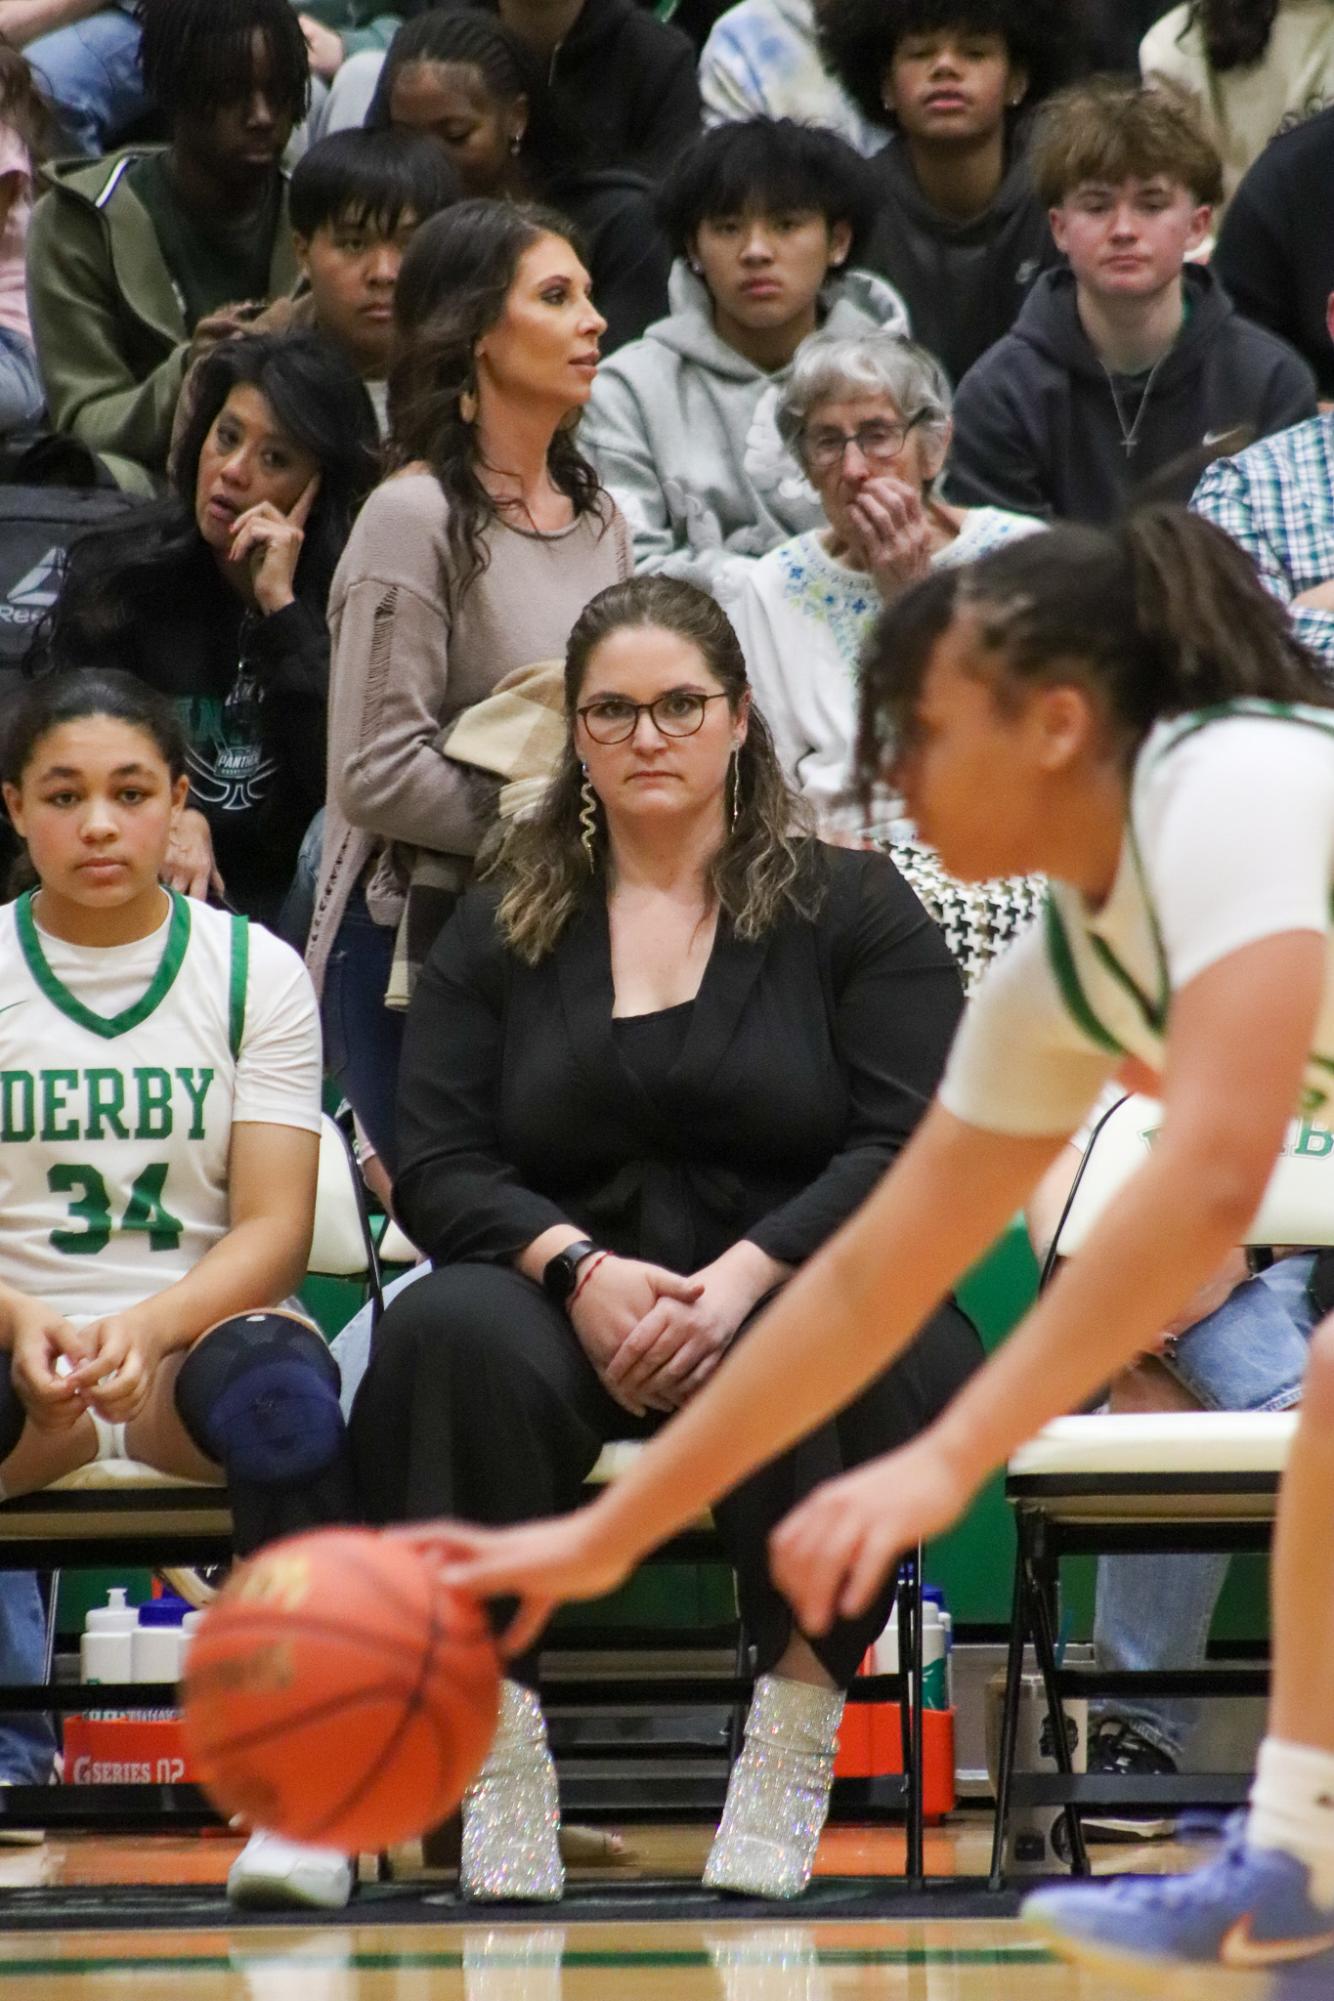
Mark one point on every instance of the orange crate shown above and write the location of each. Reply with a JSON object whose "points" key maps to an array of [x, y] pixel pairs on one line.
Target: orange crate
{"points": [[125, 1751]]}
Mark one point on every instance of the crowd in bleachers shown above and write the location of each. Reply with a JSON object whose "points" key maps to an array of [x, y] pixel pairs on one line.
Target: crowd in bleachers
{"points": [[494, 428]]}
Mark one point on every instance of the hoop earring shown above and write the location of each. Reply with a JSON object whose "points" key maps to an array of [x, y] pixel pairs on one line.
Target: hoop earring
{"points": [[588, 818], [734, 807]]}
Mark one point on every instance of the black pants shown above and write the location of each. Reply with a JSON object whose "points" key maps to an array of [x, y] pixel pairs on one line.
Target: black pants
{"points": [[480, 1403]]}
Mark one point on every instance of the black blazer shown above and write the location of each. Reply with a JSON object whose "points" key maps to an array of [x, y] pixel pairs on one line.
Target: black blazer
{"points": [[810, 1057]]}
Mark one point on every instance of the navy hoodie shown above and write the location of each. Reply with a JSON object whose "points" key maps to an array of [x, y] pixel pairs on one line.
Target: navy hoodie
{"points": [[1037, 426], [962, 282]]}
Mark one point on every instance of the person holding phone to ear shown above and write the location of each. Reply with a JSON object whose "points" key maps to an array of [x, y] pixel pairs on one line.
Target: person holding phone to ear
{"points": [[216, 596]]}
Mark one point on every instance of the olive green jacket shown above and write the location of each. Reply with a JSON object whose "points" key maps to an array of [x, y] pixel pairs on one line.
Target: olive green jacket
{"points": [[107, 319]]}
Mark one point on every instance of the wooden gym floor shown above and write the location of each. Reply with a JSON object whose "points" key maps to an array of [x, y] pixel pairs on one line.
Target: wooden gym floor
{"points": [[344, 1960]]}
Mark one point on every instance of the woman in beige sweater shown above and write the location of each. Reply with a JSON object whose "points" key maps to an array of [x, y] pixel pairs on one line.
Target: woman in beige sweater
{"points": [[474, 558], [1255, 67]]}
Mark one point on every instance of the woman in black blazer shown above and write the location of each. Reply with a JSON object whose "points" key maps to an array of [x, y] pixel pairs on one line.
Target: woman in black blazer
{"points": [[650, 1066]]}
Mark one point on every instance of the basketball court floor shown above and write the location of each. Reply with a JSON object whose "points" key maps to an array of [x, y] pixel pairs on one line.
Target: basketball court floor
{"points": [[357, 1956]]}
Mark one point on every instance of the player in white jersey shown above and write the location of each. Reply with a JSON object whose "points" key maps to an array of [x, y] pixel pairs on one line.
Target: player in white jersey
{"points": [[159, 1141], [1129, 713]]}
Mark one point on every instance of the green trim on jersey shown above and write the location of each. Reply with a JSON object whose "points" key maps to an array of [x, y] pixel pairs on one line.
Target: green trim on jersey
{"points": [[59, 995], [1067, 979], [237, 983], [1154, 1013], [1060, 953], [1254, 706]]}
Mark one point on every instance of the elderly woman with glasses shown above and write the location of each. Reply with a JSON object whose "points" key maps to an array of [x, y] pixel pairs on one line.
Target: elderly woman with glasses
{"points": [[658, 1055], [867, 416]]}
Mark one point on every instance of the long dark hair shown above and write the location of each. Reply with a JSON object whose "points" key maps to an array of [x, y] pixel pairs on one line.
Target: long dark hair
{"points": [[92, 691], [1158, 616], [115, 575], [1235, 32], [765, 864], [452, 287]]}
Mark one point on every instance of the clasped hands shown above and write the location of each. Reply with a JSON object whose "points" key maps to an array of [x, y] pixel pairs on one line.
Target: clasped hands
{"points": [[654, 1336], [59, 1371]]}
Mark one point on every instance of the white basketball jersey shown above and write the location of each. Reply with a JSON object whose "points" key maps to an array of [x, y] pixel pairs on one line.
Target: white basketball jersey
{"points": [[118, 1085]]}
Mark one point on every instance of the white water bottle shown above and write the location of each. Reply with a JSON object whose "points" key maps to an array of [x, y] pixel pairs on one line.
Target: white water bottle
{"points": [[106, 1650], [156, 1640], [190, 1625]]}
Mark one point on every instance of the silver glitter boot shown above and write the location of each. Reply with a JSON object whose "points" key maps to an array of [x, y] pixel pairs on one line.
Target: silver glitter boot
{"points": [[778, 1795], [511, 1813]]}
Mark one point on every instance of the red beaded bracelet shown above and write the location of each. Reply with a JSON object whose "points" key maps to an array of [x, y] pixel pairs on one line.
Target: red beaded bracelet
{"points": [[589, 1268]]}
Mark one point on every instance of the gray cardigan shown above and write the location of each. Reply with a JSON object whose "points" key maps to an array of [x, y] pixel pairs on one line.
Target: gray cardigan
{"points": [[407, 661]]}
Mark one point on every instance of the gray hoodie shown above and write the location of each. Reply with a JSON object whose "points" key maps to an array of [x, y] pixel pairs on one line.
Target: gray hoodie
{"points": [[672, 429]]}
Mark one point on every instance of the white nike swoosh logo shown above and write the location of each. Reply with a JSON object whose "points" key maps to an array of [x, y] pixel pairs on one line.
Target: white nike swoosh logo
{"points": [[1217, 437], [1239, 1949]]}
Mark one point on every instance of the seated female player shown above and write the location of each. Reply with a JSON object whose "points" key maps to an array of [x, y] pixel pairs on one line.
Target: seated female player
{"points": [[651, 1064], [159, 1133]]}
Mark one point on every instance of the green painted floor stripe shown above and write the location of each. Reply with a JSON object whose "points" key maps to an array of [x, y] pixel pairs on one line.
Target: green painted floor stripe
{"points": [[300, 1962]]}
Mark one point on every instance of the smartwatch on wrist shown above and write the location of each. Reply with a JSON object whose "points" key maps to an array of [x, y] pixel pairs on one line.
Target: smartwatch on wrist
{"points": [[560, 1274]]}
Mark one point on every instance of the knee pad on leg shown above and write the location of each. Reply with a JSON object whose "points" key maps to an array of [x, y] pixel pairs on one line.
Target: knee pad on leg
{"points": [[260, 1396]]}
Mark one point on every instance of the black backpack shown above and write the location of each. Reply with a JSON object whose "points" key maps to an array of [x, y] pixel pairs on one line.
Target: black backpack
{"points": [[52, 491]]}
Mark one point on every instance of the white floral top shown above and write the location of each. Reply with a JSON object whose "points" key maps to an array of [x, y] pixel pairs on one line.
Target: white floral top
{"points": [[803, 619]]}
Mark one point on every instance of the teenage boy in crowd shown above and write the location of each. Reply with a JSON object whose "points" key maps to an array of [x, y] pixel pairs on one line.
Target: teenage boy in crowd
{"points": [[765, 220], [1126, 370], [959, 230], [87, 53], [127, 254], [356, 201]]}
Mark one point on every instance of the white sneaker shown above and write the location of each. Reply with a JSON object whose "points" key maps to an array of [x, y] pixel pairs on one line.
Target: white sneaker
{"points": [[271, 1874]]}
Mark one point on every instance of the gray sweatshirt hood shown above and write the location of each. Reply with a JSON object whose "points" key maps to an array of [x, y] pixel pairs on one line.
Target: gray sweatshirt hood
{"points": [[680, 427], [853, 301]]}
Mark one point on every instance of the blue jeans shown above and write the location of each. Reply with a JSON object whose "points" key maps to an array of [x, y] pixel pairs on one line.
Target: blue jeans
{"points": [[90, 71], [27, 1743], [294, 919], [1156, 1611], [22, 397], [363, 1038]]}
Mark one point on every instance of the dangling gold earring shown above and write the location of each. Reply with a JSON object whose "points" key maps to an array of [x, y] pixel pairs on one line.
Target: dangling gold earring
{"points": [[468, 406], [734, 810], [588, 818]]}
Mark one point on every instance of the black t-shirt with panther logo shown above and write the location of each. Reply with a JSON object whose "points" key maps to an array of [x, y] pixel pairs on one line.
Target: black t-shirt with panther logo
{"points": [[252, 694]]}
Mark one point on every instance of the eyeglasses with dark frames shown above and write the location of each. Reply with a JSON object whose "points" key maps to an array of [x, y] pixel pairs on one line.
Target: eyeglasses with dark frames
{"points": [[880, 441], [615, 718]]}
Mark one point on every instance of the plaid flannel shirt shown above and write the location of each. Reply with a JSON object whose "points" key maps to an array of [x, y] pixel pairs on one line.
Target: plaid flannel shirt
{"points": [[1276, 500]]}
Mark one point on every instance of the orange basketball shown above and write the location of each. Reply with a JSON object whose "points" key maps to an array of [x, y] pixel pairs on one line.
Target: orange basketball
{"points": [[337, 1692]]}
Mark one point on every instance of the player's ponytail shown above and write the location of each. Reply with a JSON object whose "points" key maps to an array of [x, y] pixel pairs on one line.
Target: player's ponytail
{"points": [[1162, 614], [90, 691]]}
